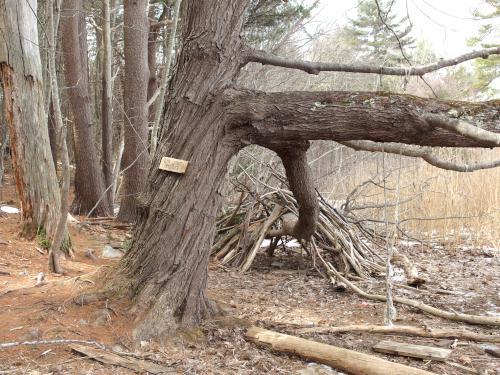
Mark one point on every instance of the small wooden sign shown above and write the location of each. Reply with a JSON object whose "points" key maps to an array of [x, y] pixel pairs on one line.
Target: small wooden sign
{"points": [[173, 165]]}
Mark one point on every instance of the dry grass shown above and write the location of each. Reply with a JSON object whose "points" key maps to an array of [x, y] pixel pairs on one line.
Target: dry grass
{"points": [[444, 204]]}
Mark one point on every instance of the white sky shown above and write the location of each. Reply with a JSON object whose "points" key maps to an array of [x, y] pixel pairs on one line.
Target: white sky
{"points": [[445, 23]]}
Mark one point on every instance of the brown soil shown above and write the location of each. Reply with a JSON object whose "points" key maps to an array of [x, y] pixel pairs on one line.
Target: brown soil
{"points": [[282, 293]]}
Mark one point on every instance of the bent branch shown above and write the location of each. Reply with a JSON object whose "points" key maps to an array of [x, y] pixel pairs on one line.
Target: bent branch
{"points": [[311, 67], [299, 177], [286, 117], [416, 152]]}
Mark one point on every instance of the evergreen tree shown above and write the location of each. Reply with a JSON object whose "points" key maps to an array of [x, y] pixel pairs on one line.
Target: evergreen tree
{"points": [[379, 34], [487, 70], [268, 21]]}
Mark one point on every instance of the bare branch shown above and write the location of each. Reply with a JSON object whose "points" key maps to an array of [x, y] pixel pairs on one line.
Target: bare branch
{"points": [[311, 67], [417, 152], [465, 129]]}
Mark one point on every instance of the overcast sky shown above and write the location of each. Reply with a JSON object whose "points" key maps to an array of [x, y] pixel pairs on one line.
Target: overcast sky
{"points": [[445, 23]]}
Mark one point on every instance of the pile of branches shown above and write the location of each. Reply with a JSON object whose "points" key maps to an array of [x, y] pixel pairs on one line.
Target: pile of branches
{"points": [[242, 229]]}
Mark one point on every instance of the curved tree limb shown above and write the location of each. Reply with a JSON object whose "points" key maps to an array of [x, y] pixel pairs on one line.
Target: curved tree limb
{"points": [[417, 152], [311, 67], [345, 116], [467, 130], [299, 178]]}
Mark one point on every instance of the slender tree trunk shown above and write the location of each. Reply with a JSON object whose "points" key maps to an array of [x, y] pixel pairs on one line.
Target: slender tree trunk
{"points": [[60, 232], [21, 78], [153, 80], [168, 50], [4, 136], [136, 156], [89, 184], [107, 102], [52, 130]]}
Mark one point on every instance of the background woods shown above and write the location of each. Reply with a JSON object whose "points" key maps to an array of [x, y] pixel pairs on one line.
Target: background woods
{"points": [[346, 145]]}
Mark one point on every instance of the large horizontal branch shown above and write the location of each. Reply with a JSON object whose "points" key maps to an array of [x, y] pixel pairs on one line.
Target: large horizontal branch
{"points": [[311, 67], [418, 152], [345, 116]]}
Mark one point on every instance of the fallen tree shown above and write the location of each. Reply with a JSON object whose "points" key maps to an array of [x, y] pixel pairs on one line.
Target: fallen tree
{"points": [[340, 359]]}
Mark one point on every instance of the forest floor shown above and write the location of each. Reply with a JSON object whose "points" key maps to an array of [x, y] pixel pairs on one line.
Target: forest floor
{"points": [[282, 293]]}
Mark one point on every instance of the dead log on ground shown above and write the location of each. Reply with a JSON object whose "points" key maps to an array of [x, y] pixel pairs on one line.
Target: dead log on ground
{"points": [[340, 359]]}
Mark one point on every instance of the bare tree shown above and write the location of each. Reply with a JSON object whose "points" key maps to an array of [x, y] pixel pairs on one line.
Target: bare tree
{"points": [[21, 79], [210, 120], [136, 156], [89, 183]]}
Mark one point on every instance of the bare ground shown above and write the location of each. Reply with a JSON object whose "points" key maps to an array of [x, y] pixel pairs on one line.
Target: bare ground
{"points": [[281, 293]]}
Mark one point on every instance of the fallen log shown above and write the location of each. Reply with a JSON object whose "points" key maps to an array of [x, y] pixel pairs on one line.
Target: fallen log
{"points": [[339, 358], [436, 333], [412, 350]]}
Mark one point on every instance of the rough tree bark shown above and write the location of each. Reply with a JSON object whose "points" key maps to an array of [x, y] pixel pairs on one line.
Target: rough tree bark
{"points": [[136, 156], [21, 79], [165, 271], [107, 103], [89, 184]]}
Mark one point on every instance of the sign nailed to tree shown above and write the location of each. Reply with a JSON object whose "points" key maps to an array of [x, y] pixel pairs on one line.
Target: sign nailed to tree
{"points": [[173, 165]]}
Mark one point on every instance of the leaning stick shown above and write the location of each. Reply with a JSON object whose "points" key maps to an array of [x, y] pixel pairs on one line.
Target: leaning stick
{"points": [[50, 342], [275, 214]]}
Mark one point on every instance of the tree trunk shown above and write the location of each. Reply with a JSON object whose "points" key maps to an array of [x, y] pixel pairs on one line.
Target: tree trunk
{"points": [[89, 184], [136, 156], [52, 130], [21, 78], [107, 103], [153, 80], [166, 268], [208, 121], [4, 137]]}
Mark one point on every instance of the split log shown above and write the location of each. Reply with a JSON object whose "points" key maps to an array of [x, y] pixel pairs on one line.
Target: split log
{"points": [[437, 333], [108, 358], [411, 350], [339, 358]]}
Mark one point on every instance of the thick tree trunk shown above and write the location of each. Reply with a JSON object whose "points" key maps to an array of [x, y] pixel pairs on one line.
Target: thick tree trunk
{"points": [[21, 79], [166, 268], [89, 184], [208, 121], [136, 156]]}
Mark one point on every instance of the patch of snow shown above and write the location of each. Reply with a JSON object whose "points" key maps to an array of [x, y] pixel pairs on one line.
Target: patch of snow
{"points": [[71, 219], [291, 243], [9, 209], [398, 274], [109, 252], [409, 243]]}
